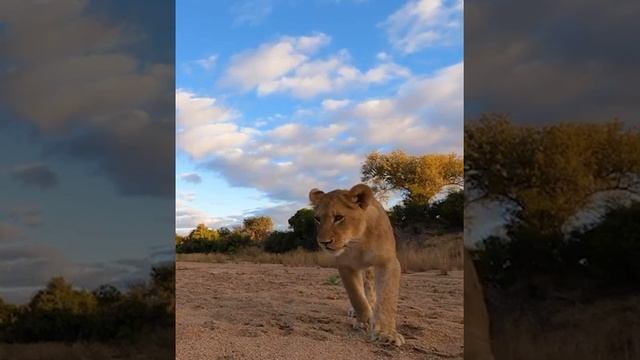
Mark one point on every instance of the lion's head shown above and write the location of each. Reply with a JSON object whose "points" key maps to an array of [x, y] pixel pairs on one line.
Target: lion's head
{"points": [[340, 216]]}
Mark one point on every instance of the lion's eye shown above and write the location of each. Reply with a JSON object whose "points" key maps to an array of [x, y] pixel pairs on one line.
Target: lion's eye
{"points": [[338, 218], [317, 219]]}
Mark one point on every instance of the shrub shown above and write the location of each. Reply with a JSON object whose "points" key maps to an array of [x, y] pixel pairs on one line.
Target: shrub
{"points": [[304, 229], [450, 210], [610, 251], [280, 241], [409, 213], [606, 255]]}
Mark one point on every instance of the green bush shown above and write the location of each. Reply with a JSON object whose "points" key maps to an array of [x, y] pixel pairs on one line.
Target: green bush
{"points": [[280, 241], [605, 256], [60, 312], [610, 251], [224, 244], [303, 226], [450, 210], [409, 213]]}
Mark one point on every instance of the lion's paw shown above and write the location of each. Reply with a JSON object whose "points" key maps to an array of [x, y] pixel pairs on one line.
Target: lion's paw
{"points": [[390, 337], [361, 326], [351, 312]]}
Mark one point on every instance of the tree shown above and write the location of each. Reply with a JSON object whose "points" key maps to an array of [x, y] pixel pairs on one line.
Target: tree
{"points": [[202, 232], [304, 229], [280, 241], [419, 178], [258, 227], [550, 173], [224, 231], [107, 294], [7, 316]]}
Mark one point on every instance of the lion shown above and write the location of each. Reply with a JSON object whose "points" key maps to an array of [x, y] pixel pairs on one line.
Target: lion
{"points": [[477, 339], [354, 227]]}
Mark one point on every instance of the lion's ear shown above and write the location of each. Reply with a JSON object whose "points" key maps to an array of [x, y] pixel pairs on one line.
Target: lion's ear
{"points": [[362, 195], [315, 195]]}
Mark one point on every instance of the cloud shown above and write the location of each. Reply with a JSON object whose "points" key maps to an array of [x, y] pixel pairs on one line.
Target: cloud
{"points": [[421, 24], [280, 214], [286, 161], [187, 196], [37, 174], [25, 267], [188, 217], [425, 115], [74, 80], [251, 12], [576, 68], [287, 66], [208, 63], [332, 104], [272, 60], [9, 232], [29, 216], [193, 178]]}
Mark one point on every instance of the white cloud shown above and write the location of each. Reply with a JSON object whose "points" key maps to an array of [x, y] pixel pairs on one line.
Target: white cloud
{"points": [[334, 104], [208, 63], [423, 23], [286, 161], [272, 60], [188, 217], [193, 110], [286, 66], [425, 115]]}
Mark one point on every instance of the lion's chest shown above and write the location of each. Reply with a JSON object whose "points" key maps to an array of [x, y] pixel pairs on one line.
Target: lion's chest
{"points": [[355, 258]]}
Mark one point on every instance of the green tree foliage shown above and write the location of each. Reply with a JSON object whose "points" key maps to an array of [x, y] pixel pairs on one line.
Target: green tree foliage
{"points": [[202, 232], [60, 312], [448, 212], [224, 231], [8, 314], [550, 173], [205, 240], [612, 248], [258, 227], [301, 233], [280, 242], [304, 229], [418, 177]]}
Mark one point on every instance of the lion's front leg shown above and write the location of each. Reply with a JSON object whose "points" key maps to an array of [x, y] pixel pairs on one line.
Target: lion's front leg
{"points": [[352, 280], [383, 325]]}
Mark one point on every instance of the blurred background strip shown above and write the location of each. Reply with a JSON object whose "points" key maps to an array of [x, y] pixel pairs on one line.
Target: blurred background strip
{"points": [[87, 121], [552, 177]]}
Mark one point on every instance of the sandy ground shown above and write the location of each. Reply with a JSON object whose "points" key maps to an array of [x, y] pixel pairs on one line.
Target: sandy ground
{"points": [[264, 311]]}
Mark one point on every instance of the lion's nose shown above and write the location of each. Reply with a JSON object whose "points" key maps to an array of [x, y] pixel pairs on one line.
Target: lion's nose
{"points": [[326, 241]]}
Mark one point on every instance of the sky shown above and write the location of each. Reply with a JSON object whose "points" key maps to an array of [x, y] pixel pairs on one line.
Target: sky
{"points": [[87, 142], [274, 98]]}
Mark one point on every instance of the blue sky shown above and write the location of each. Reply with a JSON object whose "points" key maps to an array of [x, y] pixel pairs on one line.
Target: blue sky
{"points": [[87, 134], [276, 97]]}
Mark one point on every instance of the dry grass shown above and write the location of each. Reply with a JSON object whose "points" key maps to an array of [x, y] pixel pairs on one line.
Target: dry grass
{"points": [[440, 253], [607, 329], [158, 346]]}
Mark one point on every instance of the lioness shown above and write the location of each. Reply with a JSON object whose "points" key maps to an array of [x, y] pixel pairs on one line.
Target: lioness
{"points": [[355, 228]]}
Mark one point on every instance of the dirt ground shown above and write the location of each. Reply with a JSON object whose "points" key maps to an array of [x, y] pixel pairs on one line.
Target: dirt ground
{"points": [[267, 311]]}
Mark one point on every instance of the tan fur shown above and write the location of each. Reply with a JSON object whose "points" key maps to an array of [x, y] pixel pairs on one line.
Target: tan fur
{"points": [[477, 340], [365, 249]]}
